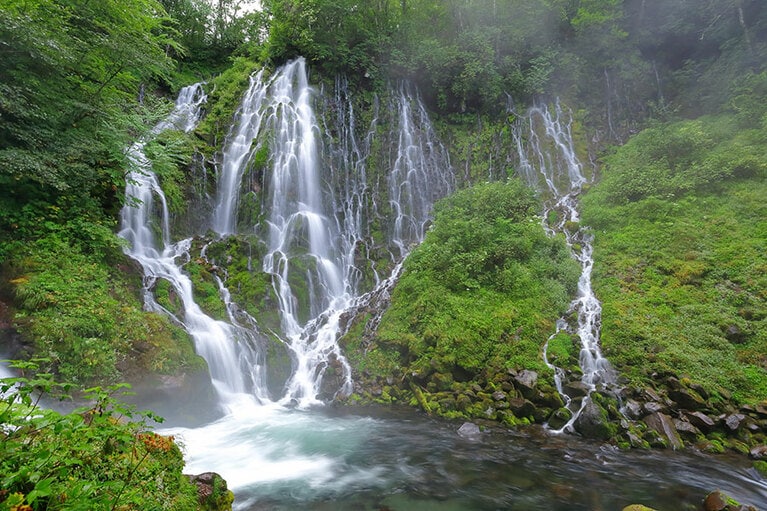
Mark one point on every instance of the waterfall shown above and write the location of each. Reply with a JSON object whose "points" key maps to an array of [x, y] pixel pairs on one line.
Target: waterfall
{"points": [[421, 173], [318, 205], [238, 150], [214, 340], [548, 163]]}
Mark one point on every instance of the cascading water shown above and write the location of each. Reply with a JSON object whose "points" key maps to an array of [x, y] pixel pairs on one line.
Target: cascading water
{"points": [[238, 151], [548, 162], [317, 208], [302, 242], [421, 173], [214, 340]]}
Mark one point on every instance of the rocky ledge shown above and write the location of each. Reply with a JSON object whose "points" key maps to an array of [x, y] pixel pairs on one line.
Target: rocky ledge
{"points": [[675, 413]]}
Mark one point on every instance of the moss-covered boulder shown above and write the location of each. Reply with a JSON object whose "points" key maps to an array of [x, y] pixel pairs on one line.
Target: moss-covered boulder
{"points": [[212, 492]]}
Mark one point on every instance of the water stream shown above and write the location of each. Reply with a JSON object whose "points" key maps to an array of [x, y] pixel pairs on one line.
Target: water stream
{"points": [[234, 366], [549, 163]]}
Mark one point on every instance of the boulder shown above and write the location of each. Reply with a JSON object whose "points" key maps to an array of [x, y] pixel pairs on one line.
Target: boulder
{"points": [[632, 409], [664, 426], [652, 407], [687, 399], [212, 492], [734, 421], [701, 421], [499, 395], [469, 431], [521, 407], [759, 452], [719, 501], [593, 422], [761, 410], [559, 418], [686, 428], [525, 382], [637, 507], [575, 389]]}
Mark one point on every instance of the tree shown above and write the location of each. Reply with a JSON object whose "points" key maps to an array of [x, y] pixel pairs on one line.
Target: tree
{"points": [[71, 73]]}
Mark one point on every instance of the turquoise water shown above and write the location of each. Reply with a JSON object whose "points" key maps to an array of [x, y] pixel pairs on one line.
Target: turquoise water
{"points": [[331, 459]]}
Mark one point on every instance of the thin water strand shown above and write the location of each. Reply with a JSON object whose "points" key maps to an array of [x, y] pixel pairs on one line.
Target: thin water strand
{"points": [[214, 340], [241, 144], [548, 163]]}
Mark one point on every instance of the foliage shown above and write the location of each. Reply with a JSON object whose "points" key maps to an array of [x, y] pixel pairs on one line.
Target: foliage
{"points": [[212, 31], [468, 56], [482, 291], [670, 160], [340, 36], [98, 457], [680, 255], [170, 152], [83, 317], [71, 73], [224, 97]]}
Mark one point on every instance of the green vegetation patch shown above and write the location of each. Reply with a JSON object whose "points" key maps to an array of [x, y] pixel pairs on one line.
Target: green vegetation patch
{"points": [[170, 152], [85, 318], [99, 457], [477, 298], [681, 255]]}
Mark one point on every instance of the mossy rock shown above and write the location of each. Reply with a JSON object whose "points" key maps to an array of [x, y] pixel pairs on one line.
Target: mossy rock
{"points": [[212, 492], [761, 467]]}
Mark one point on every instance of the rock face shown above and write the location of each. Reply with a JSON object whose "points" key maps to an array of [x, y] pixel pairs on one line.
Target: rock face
{"points": [[212, 492]]}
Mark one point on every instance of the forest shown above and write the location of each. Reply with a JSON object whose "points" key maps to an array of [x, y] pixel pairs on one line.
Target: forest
{"points": [[666, 102]]}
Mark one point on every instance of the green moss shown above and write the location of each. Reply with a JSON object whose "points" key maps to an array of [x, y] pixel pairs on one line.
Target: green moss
{"points": [[761, 467], [224, 96], [87, 319], [563, 350], [478, 297], [681, 259], [205, 289]]}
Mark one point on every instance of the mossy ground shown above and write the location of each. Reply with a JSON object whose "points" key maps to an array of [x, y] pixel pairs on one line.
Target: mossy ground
{"points": [[476, 300], [681, 256], [84, 316]]}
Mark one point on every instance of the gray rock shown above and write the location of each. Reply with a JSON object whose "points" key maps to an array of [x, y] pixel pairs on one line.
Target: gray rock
{"points": [[701, 421], [654, 407], [664, 426], [521, 407], [759, 452], [685, 428], [593, 422], [734, 421], [575, 389], [525, 382], [687, 399], [559, 418], [499, 395], [632, 409], [469, 431]]}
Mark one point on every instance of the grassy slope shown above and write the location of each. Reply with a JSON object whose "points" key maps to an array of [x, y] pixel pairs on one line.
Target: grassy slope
{"points": [[681, 255], [477, 298]]}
